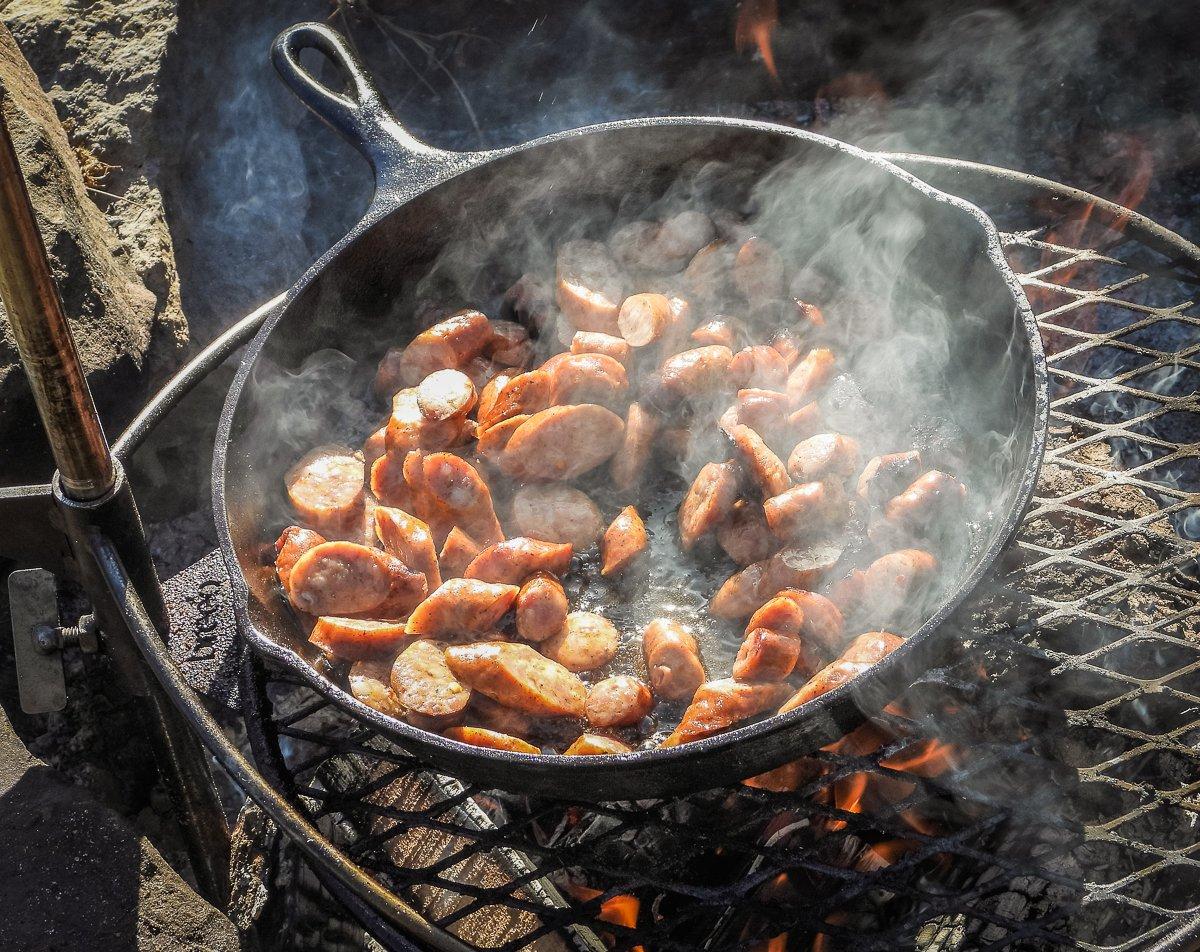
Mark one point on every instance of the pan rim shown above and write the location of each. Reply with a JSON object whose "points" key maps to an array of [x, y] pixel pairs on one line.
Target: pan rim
{"points": [[639, 762]]}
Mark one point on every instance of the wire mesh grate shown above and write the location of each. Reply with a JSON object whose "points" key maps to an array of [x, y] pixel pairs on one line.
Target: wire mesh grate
{"points": [[1040, 791]]}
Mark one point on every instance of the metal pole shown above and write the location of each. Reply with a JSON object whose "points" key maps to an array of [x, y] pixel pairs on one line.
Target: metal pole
{"points": [[44, 340]]}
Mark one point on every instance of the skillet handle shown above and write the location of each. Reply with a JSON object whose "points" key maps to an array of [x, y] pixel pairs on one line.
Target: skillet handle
{"points": [[360, 114]]}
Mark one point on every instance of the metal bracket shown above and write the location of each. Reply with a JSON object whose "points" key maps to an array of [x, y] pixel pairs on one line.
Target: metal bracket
{"points": [[33, 603]]}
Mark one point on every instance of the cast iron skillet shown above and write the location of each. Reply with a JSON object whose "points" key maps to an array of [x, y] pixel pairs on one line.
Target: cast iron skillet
{"points": [[346, 301]]}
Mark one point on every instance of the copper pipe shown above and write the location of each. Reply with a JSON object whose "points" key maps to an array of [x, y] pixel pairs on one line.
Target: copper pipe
{"points": [[35, 312]]}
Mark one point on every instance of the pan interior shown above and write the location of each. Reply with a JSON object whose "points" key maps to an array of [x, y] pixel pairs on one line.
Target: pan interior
{"points": [[937, 353]]}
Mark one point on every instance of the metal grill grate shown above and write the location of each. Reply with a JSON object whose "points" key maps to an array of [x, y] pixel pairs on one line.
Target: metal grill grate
{"points": [[1041, 791]]}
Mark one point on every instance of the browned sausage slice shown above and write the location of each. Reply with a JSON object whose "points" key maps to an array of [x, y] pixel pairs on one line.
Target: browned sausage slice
{"points": [[758, 366], [623, 542], [510, 345], [458, 551], [637, 444], [525, 393], [388, 483], [424, 684], [885, 475], [697, 372], [556, 513], [541, 608], [593, 342], [292, 543], [758, 271], [932, 496], [409, 539], [644, 318], [766, 655], [457, 486], [461, 606], [822, 623], [409, 429], [759, 462], [708, 502], [493, 740], [805, 510], [708, 273], [619, 701], [859, 655], [847, 592], [487, 397], [563, 442], [824, 456], [766, 412], [811, 375], [340, 578], [445, 395], [515, 560], [590, 287], [368, 681], [718, 705], [805, 421], [326, 486], [353, 639], [374, 447], [793, 567], [519, 677], [590, 745], [493, 439], [632, 245], [586, 642], [587, 378], [892, 579], [680, 237], [722, 331], [449, 343], [745, 535], [406, 588], [672, 660]]}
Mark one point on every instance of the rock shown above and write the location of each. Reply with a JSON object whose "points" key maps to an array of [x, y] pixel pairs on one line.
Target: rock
{"points": [[116, 273], [78, 877]]}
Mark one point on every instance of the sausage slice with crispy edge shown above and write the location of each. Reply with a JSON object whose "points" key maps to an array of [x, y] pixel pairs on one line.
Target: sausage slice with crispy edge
{"points": [[718, 705], [493, 740], [458, 551], [809, 377], [672, 660], [409, 539], [859, 655], [457, 486], [542, 608], [513, 561], [708, 502], [590, 745], [563, 442], [517, 676], [619, 701], [461, 606], [624, 540], [586, 642], [629, 461], [759, 462], [424, 684], [325, 487], [292, 543], [368, 681], [356, 639], [340, 578], [824, 456], [557, 513]]}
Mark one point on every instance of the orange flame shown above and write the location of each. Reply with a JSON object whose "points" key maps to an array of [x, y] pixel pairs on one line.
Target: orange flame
{"points": [[756, 21], [620, 910], [929, 758], [821, 940]]}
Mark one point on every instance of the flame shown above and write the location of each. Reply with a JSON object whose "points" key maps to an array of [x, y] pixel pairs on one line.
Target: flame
{"points": [[756, 21], [929, 758], [821, 940], [620, 910]]}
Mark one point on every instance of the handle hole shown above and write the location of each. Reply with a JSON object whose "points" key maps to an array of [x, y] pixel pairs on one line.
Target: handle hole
{"points": [[328, 72]]}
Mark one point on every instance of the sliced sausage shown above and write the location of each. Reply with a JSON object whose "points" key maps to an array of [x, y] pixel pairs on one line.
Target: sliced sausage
{"points": [[697, 372], [892, 580], [292, 543], [722, 331], [525, 393], [624, 540], [515, 560], [632, 246], [557, 513], [388, 483], [822, 624], [933, 496], [354, 639], [424, 684], [801, 567], [487, 397], [680, 238], [859, 655], [446, 395], [810, 376], [590, 286], [718, 705], [587, 378], [374, 447], [589, 745], [672, 660], [619, 701], [409, 429], [758, 366], [458, 487], [563, 442], [745, 535], [766, 655], [824, 456], [541, 608], [586, 642], [519, 677], [493, 439], [759, 462], [847, 592], [510, 345], [779, 614], [340, 578], [758, 271], [406, 588], [788, 344], [593, 342], [461, 607], [708, 503], [708, 274], [484, 712], [637, 443], [805, 510], [644, 318], [805, 421], [326, 487], [451, 343], [368, 682], [766, 412], [457, 553], [884, 476], [493, 740], [409, 539]]}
